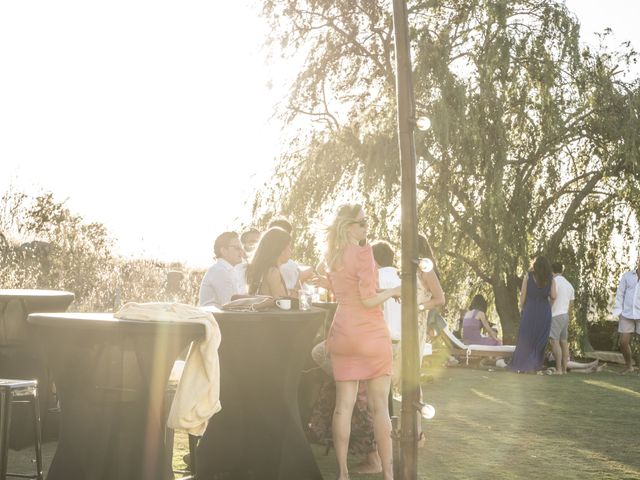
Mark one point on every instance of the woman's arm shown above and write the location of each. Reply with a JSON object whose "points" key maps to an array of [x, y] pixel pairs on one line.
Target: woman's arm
{"points": [[430, 282], [275, 283], [523, 290], [487, 327], [320, 278], [381, 297]]}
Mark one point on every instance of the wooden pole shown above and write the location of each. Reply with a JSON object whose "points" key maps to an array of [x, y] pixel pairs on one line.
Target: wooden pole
{"points": [[410, 367]]}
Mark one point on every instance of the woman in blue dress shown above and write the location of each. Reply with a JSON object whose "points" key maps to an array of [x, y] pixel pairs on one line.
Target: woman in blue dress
{"points": [[536, 296]]}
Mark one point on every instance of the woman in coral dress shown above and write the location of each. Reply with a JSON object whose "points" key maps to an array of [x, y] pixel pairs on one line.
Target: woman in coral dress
{"points": [[358, 341]]}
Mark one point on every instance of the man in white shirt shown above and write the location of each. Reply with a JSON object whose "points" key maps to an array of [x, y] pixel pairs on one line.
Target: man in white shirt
{"points": [[249, 240], [222, 280], [559, 333], [627, 309], [388, 277]]}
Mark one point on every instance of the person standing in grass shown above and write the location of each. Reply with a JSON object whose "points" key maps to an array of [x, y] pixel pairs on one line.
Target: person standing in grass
{"points": [[536, 296], [627, 309], [559, 333], [358, 342]]}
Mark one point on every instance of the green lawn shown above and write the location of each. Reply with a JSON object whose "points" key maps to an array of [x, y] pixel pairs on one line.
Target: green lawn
{"points": [[499, 425], [502, 425]]}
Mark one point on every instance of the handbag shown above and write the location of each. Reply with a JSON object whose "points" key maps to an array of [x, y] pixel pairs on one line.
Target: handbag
{"points": [[249, 303]]}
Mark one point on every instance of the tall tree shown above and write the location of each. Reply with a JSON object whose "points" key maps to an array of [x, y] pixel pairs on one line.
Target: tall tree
{"points": [[534, 140]]}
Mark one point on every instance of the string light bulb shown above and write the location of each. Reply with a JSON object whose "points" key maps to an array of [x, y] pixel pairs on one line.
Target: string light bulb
{"points": [[428, 411], [423, 124], [425, 264]]}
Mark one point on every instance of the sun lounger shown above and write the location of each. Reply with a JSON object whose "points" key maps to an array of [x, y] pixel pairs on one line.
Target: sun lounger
{"points": [[469, 351], [607, 356], [472, 350]]}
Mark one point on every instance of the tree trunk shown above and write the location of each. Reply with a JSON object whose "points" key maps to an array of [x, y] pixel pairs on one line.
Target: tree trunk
{"points": [[507, 306]]}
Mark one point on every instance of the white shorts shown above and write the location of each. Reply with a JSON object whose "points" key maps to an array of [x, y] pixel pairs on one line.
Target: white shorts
{"points": [[627, 325]]}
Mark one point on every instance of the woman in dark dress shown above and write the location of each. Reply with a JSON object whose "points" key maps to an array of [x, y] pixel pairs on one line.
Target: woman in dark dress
{"points": [[536, 296]]}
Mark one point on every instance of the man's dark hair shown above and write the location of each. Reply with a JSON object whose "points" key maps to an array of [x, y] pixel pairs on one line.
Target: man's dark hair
{"points": [[223, 241], [383, 253], [557, 267], [247, 233], [282, 223]]}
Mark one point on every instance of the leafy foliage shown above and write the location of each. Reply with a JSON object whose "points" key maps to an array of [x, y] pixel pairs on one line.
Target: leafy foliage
{"points": [[533, 148], [44, 245]]}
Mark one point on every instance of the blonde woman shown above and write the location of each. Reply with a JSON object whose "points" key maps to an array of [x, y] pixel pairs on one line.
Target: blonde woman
{"points": [[358, 340]]}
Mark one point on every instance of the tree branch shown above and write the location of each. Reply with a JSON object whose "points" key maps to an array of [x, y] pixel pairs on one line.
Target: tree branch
{"points": [[474, 265]]}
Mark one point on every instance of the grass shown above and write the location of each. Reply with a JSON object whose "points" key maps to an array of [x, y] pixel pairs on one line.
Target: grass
{"points": [[499, 425]]}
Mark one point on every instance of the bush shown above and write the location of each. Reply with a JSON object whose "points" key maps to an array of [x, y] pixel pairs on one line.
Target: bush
{"points": [[44, 245]]}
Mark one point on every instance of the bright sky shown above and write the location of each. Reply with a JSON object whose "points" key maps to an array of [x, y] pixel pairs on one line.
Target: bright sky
{"points": [[153, 117]]}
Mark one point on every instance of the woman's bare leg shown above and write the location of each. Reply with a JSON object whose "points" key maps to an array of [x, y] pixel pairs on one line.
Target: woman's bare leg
{"points": [[346, 394], [370, 464], [571, 365], [378, 395]]}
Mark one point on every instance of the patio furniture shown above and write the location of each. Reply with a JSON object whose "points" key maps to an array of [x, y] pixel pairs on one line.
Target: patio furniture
{"points": [[258, 431], [12, 392], [331, 307], [192, 467], [174, 379], [19, 359], [458, 348], [312, 375], [111, 376]]}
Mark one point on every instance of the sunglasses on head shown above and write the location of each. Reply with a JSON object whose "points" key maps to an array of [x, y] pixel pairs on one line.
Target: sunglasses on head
{"points": [[362, 223]]}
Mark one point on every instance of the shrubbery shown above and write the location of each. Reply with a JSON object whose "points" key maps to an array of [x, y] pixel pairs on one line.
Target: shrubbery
{"points": [[44, 245]]}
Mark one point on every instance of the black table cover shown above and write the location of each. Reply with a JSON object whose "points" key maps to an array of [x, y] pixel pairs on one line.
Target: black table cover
{"points": [[18, 358], [331, 307], [258, 434], [313, 376], [111, 377]]}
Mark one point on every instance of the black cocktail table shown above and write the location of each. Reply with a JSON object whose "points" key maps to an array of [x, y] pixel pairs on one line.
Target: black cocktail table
{"points": [[258, 433], [111, 377], [18, 358]]}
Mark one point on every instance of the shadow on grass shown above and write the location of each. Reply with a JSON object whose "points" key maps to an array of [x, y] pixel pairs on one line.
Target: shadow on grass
{"points": [[500, 425]]}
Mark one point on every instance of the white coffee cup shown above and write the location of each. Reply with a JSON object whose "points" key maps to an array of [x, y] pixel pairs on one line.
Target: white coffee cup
{"points": [[283, 303]]}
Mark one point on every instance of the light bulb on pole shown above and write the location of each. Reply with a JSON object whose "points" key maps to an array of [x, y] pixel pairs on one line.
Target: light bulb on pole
{"points": [[426, 411], [424, 264], [423, 124]]}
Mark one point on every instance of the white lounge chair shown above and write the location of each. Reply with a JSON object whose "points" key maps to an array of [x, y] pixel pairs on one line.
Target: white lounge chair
{"points": [[458, 347], [477, 350]]}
